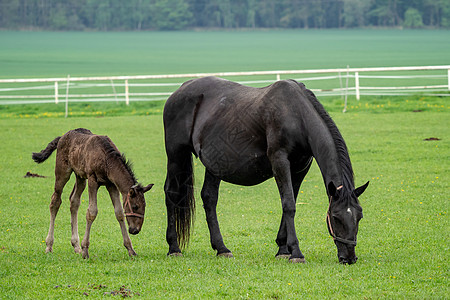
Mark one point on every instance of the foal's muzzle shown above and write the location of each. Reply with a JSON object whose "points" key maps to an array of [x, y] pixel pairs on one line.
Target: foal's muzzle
{"points": [[133, 230]]}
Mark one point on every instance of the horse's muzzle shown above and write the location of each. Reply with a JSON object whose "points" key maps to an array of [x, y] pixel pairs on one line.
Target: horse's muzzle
{"points": [[346, 260]]}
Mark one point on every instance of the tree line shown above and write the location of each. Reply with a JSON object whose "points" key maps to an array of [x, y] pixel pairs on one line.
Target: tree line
{"points": [[184, 14]]}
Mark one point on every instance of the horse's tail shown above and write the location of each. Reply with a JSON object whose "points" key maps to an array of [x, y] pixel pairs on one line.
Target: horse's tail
{"points": [[42, 156], [179, 188]]}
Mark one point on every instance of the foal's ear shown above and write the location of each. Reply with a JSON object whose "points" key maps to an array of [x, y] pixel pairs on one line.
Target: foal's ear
{"points": [[361, 189], [148, 187]]}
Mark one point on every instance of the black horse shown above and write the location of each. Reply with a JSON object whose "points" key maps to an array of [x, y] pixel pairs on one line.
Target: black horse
{"points": [[245, 135]]}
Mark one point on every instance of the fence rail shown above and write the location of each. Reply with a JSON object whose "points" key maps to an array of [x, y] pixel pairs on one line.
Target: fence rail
{"points": [[333, 82]]}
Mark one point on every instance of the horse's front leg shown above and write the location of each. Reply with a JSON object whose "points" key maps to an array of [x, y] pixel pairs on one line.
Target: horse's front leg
{"points": [[91, 214], [75, 198], [282, 174], [210, 194], [297, 179], [118, 211]]}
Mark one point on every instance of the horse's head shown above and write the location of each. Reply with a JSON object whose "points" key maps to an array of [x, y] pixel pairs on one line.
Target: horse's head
{"points": [[343, 216], [134, 207]]}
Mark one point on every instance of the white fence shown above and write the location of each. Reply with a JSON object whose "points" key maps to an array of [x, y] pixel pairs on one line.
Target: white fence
{"points": [[324, 82]]}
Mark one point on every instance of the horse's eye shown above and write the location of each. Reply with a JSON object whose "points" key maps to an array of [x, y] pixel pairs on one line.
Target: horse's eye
{"points": [[337, 222], [135, 207]]}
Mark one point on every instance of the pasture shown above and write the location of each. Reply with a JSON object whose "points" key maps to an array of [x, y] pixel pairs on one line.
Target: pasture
{"points": [[403, 239]]}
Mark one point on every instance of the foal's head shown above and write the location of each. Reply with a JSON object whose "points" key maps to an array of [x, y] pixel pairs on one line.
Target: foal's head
{"points": [[344, 214], [134, 207]]}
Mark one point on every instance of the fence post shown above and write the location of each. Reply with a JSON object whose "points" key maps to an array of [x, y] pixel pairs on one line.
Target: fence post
{"points": [[448, 78], [114, 90], [278, 77], [127, 97], [346, 91], [357, 85], [67, 96], [56, 92]]}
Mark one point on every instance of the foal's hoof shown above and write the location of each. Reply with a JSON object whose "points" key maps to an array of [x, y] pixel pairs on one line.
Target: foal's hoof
{"points": [[175, 254], [297, 260], [226, 254]]}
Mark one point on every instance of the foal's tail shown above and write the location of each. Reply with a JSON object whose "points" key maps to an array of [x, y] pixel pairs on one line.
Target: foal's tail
{"points": [[44, 154]]}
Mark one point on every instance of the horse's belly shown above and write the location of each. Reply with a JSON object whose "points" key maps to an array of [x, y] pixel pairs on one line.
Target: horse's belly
{"points": [[246, 167]]}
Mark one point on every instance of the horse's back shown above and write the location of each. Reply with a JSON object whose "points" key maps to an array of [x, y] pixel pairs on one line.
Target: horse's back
{"points": [[84, 152], [226, 124]]}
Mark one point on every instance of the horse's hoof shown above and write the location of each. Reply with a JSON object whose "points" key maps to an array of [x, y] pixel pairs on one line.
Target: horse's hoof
{"points": [[49, 250], [174, 254], [226, 254], [77, 250], [297, 260], [283, 256]]}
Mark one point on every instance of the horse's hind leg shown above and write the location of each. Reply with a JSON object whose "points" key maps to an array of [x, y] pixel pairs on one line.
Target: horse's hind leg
{"points": [[62, 175], [91, 214], [118, 211], [75, 197], [210, 193], [180, 202]]}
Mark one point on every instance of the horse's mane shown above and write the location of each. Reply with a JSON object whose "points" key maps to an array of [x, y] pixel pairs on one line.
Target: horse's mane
{"points": [[112, 153], [341, 147]]}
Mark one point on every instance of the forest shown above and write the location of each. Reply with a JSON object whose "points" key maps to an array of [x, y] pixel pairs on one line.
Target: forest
{"points": [[135, 15]]}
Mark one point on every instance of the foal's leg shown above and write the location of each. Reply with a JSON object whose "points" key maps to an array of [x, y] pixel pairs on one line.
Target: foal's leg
{"points": [[118, 210], [91, 214], [297, 179], [62, 175], [210, 193], [282, 173], [75, 197]]}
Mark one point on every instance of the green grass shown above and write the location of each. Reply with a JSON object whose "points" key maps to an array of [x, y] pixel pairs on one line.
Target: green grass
{"points": [[57, 54], [403, 240]]}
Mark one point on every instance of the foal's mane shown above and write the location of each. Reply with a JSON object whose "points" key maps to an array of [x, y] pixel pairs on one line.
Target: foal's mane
{"points": [[341, 147], [112, 153]]}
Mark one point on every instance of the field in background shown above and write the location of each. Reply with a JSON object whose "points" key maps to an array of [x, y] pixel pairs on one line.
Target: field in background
{"points": [[58, 54], [403, 239]]}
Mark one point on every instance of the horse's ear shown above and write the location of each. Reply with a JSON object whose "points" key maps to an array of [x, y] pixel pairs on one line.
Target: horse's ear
{"points": [[361, 189], [148, 187], [332, 190]]}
